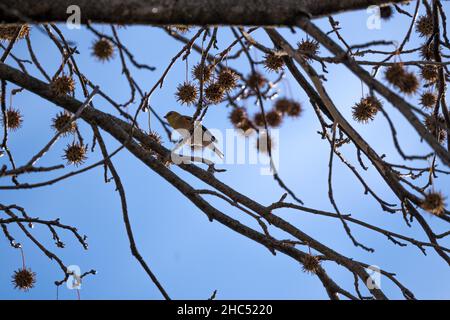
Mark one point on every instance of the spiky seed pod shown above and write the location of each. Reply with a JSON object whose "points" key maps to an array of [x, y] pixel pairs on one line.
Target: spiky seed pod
{"points": [[186, 93], [258, 119], [283, 105], [246, 127], [8, 31], [13, 119], [182, 28], [436, 127], [63, 85], [426, 51], [374, 101], [237, 115], [214, 93], [103, 49], [62, 123], [308, 48], [24, 279], [394, 73], [274, 61], [366, 109], [256, 80], [274, 118], [200, 69], [434, 203], [75, 153], [386, 12], [424, 26], [429, 73], [264, 143], [227, 79], [154, 137], [311, 264], [428, 99], [295, 109], [408, 83]]}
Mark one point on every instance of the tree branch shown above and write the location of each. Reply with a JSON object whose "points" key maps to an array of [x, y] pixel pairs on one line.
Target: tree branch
{"points": [[189, 12]]}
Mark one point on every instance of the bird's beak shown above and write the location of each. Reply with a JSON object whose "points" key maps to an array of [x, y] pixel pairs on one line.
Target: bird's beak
{"points": [[165, 117]]}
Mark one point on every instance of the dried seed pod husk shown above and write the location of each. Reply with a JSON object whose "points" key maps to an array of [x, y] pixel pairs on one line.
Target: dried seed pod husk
{"points": [[283, 105], [24, 279], [424, 26], [258, 119], [434, 202], [274, 61], [428, 99], [295, 110], [311, 264], [386, 12], [237, 115], [436, 126], [9, 31], [205, 71], [75, 153], [427, 51], [274, 118], [366, 109], [227, 79], [63, 123], [154, 137], [308, 48], [394, 73], [246, 127], [186, 93], [63, 85], [214, 93], [14, 119], [256, 80], [429, 73], [103, 49], [408, 83]]}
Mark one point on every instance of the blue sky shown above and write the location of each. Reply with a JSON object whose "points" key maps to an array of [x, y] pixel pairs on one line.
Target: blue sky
{"points": [[191, 256]]}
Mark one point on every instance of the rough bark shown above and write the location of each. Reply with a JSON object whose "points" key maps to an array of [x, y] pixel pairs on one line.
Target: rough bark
{"points": [[191, 12]]}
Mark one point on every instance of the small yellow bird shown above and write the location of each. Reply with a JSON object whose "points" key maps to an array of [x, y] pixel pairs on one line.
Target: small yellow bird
{"points": [[183, 125]]}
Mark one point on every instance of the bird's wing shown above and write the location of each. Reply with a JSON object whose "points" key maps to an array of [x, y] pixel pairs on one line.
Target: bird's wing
{"points": [[205, 130]]}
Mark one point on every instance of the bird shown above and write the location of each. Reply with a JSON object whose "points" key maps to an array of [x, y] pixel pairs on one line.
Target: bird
{"points": [[185, 126]]}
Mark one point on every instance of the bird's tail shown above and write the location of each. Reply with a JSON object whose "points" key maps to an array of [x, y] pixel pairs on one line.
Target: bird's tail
{"points": [[217, 151], [210, 146]]}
